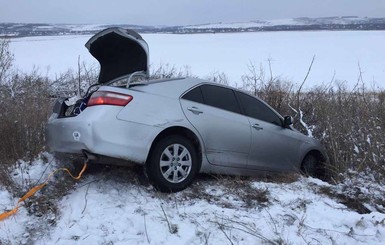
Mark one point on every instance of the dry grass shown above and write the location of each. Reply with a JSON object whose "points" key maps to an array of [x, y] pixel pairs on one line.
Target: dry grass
{"points": [[350, 123], [224, 191], [353, 199]]}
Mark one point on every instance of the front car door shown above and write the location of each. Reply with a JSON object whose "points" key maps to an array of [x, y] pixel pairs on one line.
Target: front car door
{"points": [[273, 147], [214, 111]]}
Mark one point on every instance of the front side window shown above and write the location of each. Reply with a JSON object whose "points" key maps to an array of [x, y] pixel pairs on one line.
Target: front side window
{"points": [[254, 108]]}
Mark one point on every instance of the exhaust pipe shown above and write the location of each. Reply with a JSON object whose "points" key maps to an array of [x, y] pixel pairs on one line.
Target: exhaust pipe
{"points": [[89, 156]]}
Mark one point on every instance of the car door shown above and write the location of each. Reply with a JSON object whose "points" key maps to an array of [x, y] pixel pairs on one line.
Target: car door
{"points": [[215, 113], [273, 147]]}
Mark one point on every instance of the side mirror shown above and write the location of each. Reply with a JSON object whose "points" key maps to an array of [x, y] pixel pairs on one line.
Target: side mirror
{"points": [[287, 121]]}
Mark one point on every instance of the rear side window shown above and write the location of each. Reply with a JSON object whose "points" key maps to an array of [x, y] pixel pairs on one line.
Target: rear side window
{"points": [[220, 97], [194, 95], [254, 108]]}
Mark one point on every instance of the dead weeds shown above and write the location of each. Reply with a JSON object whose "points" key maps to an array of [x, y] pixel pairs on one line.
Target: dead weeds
{"points": [[353, 199]]}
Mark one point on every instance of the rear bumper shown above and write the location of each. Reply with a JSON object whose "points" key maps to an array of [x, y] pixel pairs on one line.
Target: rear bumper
{"points": [[97, 130]]}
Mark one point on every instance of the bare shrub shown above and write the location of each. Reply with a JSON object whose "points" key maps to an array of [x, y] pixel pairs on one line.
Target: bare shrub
{"points": [[6, 60], [273, 90], [25, 109], [71, 83], [350, 123], [162, 71], [218, 77]]}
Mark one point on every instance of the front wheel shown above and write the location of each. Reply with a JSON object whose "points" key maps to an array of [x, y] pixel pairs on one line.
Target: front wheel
{"points": [[172, 165], [312, 166]]}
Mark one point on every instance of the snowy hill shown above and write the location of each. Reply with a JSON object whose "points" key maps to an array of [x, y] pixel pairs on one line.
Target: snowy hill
{"points": [[296, 24], [304, 21], [31, 29]]}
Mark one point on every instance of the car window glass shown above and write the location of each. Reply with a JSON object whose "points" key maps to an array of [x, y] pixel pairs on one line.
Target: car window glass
{"points": [[220, 97], [254, 108], [194, 95]]}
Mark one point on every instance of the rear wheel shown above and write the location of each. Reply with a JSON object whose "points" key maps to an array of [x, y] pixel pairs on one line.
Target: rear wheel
{"points": [[173, 163]]}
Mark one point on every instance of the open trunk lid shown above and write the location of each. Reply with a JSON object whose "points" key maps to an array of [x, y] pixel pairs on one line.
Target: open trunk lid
{"points": [[120, 52]]}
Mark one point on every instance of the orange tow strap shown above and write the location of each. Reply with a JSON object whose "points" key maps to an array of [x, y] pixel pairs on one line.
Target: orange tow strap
{"points": [[35, 189]]}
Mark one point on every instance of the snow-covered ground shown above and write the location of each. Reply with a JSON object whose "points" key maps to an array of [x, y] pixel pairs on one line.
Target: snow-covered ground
{"points": [[338, 54], [117, 206]]}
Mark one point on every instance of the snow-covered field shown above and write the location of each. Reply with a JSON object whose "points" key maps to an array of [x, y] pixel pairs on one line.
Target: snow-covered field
{"points": [[338, 54], [116, 206]]}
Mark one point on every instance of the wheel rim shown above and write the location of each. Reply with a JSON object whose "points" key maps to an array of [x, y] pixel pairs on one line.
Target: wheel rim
{"points": [[175, 163]]}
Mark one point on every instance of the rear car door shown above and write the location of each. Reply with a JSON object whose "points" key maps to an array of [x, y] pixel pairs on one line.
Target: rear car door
{"points": [[214, 111], [273, 147]]}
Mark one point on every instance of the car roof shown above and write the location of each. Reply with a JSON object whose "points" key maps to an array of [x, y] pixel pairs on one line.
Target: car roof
{"points": [[175, 87]]}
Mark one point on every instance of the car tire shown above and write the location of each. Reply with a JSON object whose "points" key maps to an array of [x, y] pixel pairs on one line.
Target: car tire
{"points": [[312, 166], [172, 164]]}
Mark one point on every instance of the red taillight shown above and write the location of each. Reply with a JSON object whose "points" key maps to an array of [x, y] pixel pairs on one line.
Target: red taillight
{"points": [[109, 98]]}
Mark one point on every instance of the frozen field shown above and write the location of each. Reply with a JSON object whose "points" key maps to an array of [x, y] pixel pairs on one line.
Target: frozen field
{"points": [[290, 53]]}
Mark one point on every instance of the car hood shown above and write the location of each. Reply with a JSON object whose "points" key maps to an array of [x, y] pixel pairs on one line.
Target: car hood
{"points": [[120, 52]]}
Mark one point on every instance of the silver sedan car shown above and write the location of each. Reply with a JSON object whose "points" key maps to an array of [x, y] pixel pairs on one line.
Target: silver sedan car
{"points": [[176, 128]]}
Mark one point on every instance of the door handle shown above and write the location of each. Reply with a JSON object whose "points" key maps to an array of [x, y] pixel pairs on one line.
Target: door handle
{"points": [[257, 127], [195, 110]]}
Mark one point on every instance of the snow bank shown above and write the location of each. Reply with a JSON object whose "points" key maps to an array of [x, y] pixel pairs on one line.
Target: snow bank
{"points": [[115, 213], [112, 206]]}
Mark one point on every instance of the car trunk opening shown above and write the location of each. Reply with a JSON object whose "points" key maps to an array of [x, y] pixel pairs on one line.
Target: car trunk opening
{"points": [[120, 52]]}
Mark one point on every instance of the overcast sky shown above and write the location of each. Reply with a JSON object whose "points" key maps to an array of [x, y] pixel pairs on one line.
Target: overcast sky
{"points": [[179, 12]]}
